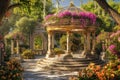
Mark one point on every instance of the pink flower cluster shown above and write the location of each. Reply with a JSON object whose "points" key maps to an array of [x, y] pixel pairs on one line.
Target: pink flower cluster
{"points": [[48, 16], [112, 49], [84, 18], [65, 14], [88, 15]]}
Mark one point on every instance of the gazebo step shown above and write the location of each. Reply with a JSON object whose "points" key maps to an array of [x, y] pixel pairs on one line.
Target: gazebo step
{"points": [[70, 64]]}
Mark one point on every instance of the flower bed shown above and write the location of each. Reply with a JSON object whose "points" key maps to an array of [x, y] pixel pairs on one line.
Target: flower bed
{"points": [[114, 47], [111, 71], [66, 17], [11, 71]]}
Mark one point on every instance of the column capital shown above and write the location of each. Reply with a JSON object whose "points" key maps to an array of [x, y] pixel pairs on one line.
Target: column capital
{"points": [[50, 32]]}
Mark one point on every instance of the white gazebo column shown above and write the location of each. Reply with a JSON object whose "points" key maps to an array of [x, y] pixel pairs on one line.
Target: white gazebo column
{"points": [[68, 42], [49, 52], [85, 42], [17, 43], [93, 42], [12, 46], [85, 45], [68, 52], [53, 41], [88, 42]]}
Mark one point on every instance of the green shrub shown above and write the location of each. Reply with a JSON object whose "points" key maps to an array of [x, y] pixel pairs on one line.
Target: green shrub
{"points": [[8, 53], [58, 51], [28, 54], [75, 42]]}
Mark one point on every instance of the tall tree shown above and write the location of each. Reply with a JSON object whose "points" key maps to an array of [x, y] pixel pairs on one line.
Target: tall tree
{"points": [[34, 8], [107, 22], [108, 9], [6, 5]]}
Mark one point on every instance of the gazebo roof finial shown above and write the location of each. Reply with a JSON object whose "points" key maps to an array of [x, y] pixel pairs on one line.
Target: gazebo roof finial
{"points": [[71, 3]]}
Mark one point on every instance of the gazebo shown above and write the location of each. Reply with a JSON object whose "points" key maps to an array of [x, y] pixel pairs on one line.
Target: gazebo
{"points": [[72, 19]]}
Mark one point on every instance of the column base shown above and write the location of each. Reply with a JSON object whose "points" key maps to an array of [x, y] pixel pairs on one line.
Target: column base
{"points": [[67, 55], [83, 54], [50, 55]]}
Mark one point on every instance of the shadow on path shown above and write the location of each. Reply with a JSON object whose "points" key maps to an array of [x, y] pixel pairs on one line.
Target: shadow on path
{"points": [[31, 73]]}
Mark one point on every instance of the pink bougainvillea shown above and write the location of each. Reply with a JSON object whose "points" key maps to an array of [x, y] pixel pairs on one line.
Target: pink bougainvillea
{"points": [[112, 49], [48, 16], [65, 14], [85, 18]]}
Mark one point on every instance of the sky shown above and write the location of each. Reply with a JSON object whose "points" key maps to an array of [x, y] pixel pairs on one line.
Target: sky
{"points": [[76, 2], [66, 2]]}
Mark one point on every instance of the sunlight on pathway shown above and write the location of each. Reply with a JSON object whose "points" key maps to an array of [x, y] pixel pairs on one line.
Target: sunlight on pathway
{"points": [[33, 73]]}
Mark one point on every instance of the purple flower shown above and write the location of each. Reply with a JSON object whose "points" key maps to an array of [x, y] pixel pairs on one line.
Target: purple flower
{"points": [[89, 16], [48, 16], [112, 49], [86, 18], [65, 14], [92, 17], [75, 15]]}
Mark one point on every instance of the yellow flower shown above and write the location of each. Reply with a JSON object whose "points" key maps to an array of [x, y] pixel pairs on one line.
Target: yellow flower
{"points": [[112, 75]]}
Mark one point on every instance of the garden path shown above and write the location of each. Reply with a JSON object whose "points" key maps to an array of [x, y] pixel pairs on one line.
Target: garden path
{"points": [[31, 72]]}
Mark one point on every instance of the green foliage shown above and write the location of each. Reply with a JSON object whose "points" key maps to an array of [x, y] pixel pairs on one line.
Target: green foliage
{"points": [[28, 54], [107, 22], [58, 51], [63, 43], [8, 53], [116, 28], [26, 25], [32, 8], [75, 42], [98, 48], [38, 42], [8, 24]]}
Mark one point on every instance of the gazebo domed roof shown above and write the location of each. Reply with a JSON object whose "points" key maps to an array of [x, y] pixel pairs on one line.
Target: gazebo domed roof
{"points": [[71, 18], [71, 8]]}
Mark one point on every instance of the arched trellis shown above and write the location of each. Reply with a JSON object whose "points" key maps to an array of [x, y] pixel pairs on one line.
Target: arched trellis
{"points": [[16, 37], [40, 32]]}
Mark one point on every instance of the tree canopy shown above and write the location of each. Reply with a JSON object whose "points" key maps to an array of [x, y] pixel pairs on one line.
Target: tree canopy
{"points": [[107, 22], [108, 9]]}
